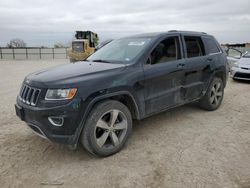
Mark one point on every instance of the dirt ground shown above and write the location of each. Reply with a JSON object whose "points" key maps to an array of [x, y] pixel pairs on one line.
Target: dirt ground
{"points": [[183, 147]]}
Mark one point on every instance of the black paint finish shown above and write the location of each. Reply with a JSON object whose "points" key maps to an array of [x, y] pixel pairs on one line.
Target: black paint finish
{"points": [[150, 88]]}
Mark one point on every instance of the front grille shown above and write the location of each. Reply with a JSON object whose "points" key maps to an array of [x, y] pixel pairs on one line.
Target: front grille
{"points": [[242, 75], [245, 68], [29, 95]]}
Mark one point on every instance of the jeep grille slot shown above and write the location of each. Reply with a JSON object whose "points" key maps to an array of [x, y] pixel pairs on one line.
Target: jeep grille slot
{"points": [[29, 95]]}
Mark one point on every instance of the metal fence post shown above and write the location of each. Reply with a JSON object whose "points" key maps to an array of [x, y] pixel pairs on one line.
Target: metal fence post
{"points": [[53, 53], [1, 53], [66, 53], [13, 53], [40, 52], [26, 53]]}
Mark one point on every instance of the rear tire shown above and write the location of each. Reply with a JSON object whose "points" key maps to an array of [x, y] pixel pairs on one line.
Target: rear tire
{"points": [[107, 128], [214, 95]]}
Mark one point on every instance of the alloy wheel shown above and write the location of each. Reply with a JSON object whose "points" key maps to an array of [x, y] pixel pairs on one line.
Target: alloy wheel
{"points": [[111, 129], [216, 94]]}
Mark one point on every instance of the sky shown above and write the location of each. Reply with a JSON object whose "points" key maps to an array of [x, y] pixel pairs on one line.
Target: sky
{"points": [[46, 22]]}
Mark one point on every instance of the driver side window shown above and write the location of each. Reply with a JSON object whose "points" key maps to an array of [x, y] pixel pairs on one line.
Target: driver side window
{"points": [[167, 50]]}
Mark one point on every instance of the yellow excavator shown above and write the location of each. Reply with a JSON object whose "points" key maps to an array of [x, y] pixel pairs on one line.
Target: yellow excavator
{"points": [[83, 46]]}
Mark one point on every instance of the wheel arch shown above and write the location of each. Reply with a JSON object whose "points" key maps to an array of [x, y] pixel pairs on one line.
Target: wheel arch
{"points": [[219, 73], [125, 97], [222, 75]]}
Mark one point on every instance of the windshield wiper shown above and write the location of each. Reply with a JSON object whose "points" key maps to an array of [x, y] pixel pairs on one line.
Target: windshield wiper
{"points": [[101, 60]]}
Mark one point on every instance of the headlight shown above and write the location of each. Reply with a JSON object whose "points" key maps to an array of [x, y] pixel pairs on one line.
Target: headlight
{"points": [[60, 94]]}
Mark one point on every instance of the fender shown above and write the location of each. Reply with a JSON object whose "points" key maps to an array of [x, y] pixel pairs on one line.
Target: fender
{"points": [[216, 71], [94, 102]]}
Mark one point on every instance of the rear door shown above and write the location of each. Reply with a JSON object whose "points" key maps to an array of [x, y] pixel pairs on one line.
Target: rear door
{"points": [[164, 75], [213, 54], [197, 66]]}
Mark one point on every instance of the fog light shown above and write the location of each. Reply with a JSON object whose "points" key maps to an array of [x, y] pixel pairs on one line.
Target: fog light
{"points": [[56, 121]]}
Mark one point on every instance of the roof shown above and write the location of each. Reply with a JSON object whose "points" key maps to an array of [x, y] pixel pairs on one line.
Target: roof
{"points": [[158, 34]]}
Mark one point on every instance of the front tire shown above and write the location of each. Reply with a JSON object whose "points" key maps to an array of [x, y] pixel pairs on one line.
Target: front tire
{"points": [[214, 95], [107, 128]]}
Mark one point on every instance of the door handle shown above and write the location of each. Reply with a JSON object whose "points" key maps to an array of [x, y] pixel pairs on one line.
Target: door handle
{"points": [[209, 59], [180, 65]]}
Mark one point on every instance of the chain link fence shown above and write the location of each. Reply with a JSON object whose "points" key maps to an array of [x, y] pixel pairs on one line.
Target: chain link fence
{"points": [[33, 53]]}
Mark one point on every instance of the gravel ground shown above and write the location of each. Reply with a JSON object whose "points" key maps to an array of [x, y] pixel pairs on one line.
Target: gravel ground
{"points": [[183, 147]]}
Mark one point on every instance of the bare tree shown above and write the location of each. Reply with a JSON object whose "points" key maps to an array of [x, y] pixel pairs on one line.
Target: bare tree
{"points": [[58, 45], [16, 43]]}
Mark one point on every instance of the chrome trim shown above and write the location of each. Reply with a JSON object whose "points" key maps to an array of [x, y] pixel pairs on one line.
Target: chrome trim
{"points": [[27, 95], [42, 133], [65, 99], [220, 52], [56, 117]]}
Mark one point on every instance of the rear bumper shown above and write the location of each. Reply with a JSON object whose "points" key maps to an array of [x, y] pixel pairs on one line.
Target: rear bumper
{"points": [[37, 119]]}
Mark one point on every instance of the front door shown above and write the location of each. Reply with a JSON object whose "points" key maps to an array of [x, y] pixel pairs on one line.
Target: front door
{"points": [[164, 76]]}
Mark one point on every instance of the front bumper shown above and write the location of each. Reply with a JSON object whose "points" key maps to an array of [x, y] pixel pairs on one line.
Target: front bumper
{"points": [[37, 119], [240, 73]]}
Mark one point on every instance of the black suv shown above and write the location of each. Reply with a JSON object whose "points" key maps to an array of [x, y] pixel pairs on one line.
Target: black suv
{"points": [[95, 101]]}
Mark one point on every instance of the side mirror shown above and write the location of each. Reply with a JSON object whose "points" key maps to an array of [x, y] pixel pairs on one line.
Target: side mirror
{"points": [[149, 61]]}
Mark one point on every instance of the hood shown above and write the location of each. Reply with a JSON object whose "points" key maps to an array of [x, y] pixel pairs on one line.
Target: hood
{"points": [[244, 62], [70, 71]]}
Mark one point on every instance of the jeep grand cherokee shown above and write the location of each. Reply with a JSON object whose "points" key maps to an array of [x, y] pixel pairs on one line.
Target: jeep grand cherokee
{"points": [[93, 102]]}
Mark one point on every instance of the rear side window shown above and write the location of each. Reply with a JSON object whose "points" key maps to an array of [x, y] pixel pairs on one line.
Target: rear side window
{"points": [[211, 46], [194, 46]]}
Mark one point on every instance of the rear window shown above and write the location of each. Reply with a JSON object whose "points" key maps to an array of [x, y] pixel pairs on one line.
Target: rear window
{"points": [[194, 46], [211, 46]]}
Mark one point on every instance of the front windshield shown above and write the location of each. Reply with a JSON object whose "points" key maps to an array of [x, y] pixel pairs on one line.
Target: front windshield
{"points": [[247, 55], [120, 51]]}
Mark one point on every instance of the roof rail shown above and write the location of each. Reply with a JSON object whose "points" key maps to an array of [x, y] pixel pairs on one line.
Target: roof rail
{"points": [[186, 31]]}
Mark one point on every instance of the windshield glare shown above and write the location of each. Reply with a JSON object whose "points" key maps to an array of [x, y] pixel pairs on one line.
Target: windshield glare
{"points": [[120, 51]]}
